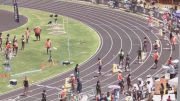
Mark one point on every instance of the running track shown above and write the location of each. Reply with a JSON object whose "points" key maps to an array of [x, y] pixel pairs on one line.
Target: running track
{"points": [[117, 30]]}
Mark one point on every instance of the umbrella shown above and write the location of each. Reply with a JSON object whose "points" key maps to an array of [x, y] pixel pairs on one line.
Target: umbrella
{"points": [[148, 76], [114, 87], [166, 9], [173, 82], [175, 61]]}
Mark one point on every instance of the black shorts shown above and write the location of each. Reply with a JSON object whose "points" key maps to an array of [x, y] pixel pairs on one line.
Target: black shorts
{"points": [[37, 34], [155, 61]]}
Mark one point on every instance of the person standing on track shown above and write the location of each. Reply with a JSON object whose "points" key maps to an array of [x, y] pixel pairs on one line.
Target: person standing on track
{"points": [[139, 55], [79, 86], [127, 63], [37, 31], [156, 58], [99, 65], [48, 45], [27, 33], [63, 94], [1, 41], [72, 81], [129, 81], [155, 45], [173, 42], [121, 57], [76, 71], [145, 44], [43, 95], [26, 86], [121, 82], [98, 88]]}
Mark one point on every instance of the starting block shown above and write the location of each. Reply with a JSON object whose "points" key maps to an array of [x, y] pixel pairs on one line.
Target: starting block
{"points": [[115, 68]]}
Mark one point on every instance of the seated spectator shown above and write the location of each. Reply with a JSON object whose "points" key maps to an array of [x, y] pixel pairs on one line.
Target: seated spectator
{"points": [[169, 98]]}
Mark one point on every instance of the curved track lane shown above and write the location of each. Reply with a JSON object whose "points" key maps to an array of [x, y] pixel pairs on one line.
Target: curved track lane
{"points": [[116, 29]]}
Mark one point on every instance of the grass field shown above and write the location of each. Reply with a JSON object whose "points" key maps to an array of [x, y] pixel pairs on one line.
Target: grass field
{"points": [[83, 44]]}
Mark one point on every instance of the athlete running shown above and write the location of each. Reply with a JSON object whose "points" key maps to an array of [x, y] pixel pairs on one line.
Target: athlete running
{"points": [[121, 57]]}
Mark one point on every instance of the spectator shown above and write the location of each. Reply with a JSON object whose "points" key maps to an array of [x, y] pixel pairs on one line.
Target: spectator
{"points": [[108, 96], [169, 98], [37, 31], [26, 86], [43, 95]]}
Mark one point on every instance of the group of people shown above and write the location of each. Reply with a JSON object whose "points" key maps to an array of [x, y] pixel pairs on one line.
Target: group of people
{"points": [[75, 86], [12, 46]]}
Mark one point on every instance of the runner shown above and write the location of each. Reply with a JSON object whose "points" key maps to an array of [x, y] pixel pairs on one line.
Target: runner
{"points": [[127, 63], [22, 42], [26, 86], [156, 58], [99, 65], [1, 41], [27, 33], [43, 95], [63, 94], [98, 88], [121, 57], [145, 44], [48, 45], [37, 31], [139, 55]]}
